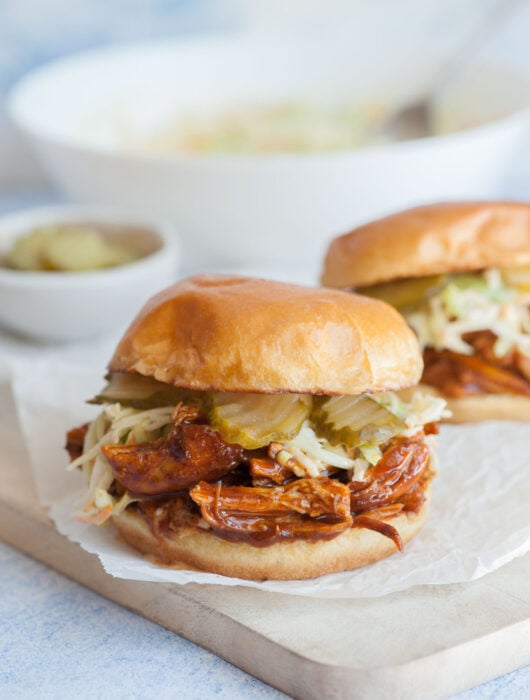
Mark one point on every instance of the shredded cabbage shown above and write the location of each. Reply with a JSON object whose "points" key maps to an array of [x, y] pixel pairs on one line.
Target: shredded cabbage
{"points": [[114, 425], [424, 408], [371, 453], [419, 409], [473, 302], [319, 453]]}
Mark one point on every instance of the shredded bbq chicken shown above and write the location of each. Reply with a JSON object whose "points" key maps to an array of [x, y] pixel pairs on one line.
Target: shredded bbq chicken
{"points": [[246, 495], [458, 375], [75, 440], [191, 452], [265, 471], [305, 508], [375, 521], [398, 470]]}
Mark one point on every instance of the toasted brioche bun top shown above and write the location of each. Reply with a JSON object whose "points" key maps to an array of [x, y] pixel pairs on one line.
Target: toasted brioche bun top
{"points": [[428, 240], [223, 333]]}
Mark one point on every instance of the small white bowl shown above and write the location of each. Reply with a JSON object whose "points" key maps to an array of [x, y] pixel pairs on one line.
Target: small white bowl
{"points": [[263, 207], [63, 306]]}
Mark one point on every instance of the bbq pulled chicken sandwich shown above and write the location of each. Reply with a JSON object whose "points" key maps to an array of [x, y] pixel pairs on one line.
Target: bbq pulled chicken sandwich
{"points": [[249, 428], [460, 274]]}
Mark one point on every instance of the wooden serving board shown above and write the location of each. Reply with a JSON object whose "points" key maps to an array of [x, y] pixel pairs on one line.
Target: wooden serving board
{"points": [[430, 641]]}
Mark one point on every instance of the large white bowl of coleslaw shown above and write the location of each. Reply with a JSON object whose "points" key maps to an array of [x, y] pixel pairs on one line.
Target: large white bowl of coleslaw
{"points": [[262, 150]]}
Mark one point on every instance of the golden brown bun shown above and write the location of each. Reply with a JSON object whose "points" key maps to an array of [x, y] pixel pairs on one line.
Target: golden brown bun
{"points": [[200, 549], [429, 240], [215, 332]]}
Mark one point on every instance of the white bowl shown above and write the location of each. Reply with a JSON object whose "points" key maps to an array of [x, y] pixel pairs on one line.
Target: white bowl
{"points": [[60, 306], [265, 207]]}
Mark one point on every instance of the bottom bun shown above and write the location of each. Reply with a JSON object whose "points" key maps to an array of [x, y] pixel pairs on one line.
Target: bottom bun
{"points": [[201, 549], [473, 409]]}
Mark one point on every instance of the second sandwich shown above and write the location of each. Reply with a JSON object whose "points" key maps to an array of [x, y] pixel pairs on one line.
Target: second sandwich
{"points": [[460, 274]]}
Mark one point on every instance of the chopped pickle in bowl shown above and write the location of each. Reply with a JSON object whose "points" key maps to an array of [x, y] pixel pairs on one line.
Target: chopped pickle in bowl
{"points": [[68, 248]]}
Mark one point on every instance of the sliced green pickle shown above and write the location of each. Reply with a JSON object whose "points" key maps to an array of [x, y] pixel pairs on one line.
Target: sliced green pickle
{"points": [[255, 420], [403, 293], [137, 391], [356, 420]]}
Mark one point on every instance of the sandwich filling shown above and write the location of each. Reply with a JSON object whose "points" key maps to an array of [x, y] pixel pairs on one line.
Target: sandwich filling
{"points": [[258, 468], [474, 328]]}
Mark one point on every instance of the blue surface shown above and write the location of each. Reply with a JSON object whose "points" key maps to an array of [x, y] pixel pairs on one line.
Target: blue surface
{"points": [[32, 33], [60, 640]]}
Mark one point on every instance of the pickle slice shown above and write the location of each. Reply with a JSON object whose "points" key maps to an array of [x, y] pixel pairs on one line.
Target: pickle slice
{"points": [[82, 248], [27, 252], [356, 420], [137, 391], [255, 420], [402, 293]]}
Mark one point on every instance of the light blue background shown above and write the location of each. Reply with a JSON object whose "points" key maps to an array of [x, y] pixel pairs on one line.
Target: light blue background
{"points": [[59, 640], [35, 31]]}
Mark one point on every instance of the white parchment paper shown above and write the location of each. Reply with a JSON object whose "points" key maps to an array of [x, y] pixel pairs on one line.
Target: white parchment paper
{"points": [[479, 517]]}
